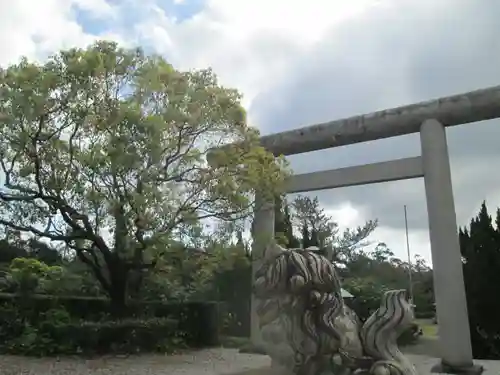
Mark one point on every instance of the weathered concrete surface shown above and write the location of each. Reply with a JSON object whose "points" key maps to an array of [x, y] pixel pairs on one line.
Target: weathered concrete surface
{"points": [[459, 109], [262, 234], [454, 110], [451, 306], [394, 170]]}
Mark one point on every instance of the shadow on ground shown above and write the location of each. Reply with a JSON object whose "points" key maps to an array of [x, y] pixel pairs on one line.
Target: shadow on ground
{"points": [[428, 346]]}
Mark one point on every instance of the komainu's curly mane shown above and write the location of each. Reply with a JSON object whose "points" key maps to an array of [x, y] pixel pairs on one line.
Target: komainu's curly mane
{"points": [[299, 294]]}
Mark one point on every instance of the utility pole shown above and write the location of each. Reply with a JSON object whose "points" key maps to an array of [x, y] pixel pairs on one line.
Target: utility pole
{"points": [[410, 280]]}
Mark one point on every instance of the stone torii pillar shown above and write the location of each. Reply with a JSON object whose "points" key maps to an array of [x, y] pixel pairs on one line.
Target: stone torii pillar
{"points": [[451, 305], [262, 234]]}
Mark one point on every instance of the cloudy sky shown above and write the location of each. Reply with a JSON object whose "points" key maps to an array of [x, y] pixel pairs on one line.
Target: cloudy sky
{"points": [[300, 62]]}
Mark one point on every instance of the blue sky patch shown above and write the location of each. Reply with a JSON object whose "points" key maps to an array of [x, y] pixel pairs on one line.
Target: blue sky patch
{"points": [[90, 23], [131, 13], [184, 10]]}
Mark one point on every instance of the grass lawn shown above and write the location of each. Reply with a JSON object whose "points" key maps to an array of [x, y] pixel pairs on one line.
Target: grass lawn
{"points": [[429, 329], [234, 342], [428, 343]]}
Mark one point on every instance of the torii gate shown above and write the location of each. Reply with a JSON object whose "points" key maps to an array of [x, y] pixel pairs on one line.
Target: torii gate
{"points": [[429, 119]]}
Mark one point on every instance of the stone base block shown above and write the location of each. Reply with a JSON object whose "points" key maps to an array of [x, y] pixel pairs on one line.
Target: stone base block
{"points": [[444, 368]]}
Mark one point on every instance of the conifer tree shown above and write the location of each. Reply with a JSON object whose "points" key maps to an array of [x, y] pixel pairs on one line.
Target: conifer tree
{"points": [[480, 249]]}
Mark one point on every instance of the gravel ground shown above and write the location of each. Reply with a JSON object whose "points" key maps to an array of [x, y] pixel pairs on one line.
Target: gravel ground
{"points": [[205, 362]]}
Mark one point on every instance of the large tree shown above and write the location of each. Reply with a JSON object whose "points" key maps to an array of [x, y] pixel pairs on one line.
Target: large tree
{"points": [[105, 150]]}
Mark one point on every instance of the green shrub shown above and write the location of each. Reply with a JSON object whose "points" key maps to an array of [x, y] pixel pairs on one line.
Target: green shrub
{"points": [[49, 317], [234, 288], [84, 308], [125, 336], [55, 333], [26, 273], [234, 319], [198, 320], [368, 293]]}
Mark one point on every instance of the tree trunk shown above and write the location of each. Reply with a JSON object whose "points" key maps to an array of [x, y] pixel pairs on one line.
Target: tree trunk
{"points": [[118, 277], [136, 280]]}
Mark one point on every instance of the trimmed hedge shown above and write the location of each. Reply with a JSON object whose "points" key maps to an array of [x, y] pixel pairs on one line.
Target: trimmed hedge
{"points": [[82, 325], [234, 319], [199, 321], [425, 314], [233, 288], [55, 338]]}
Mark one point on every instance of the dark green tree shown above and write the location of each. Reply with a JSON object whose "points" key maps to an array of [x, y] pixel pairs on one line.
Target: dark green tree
{"points": [[10, 251], [239, 239], [44, 252], [12, 247], [293, 242], [279, 222], [314, 239], [480, 249], [283, 224], [306, 239], [423, 288]]}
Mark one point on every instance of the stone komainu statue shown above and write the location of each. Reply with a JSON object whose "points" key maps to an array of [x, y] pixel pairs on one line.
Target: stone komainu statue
{"points": [[308, 330]]}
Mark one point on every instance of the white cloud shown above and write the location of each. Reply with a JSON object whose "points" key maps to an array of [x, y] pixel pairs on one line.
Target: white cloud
{"points": [[302, 21], [38, 28], [395, 240], [354, 46], [250, 44], [347, 216]]}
